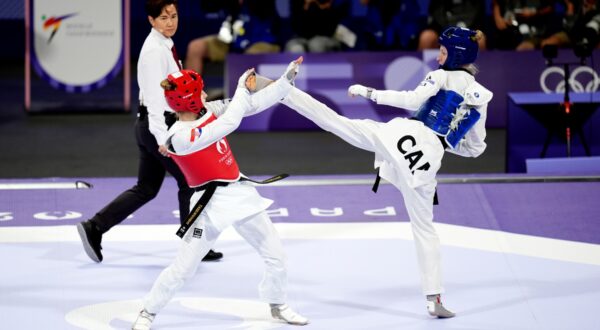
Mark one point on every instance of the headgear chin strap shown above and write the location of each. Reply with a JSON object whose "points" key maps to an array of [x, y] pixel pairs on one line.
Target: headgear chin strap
{"points": [[461, 45]]}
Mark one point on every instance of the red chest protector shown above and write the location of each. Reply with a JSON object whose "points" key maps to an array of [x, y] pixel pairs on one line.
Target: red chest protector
{"points": [[213, 163]]}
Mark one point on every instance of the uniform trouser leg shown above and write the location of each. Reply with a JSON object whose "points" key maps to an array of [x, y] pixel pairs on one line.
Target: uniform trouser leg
{"points": [[359, 133], [260, 233], [419, 204], [189, 256]]}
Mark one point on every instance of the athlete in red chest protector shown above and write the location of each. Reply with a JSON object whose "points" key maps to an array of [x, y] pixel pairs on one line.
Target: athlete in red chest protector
{"points": [[216, 160], [198, 145]]}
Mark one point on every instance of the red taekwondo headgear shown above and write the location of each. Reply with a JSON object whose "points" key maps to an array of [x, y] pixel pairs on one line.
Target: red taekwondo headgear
{"points": [[186, 96], [461, 45]]}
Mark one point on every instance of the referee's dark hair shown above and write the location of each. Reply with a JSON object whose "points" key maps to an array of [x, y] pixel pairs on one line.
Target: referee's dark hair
{"points": [[155, 7]]}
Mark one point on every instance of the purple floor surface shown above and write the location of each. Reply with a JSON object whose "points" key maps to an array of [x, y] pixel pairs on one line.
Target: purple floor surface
{"points": [[562, 210], [352, 264]]}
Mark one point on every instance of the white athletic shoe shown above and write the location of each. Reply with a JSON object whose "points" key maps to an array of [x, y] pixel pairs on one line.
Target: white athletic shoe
{"points": [[436, 309], [143, 321], [286, 314]]}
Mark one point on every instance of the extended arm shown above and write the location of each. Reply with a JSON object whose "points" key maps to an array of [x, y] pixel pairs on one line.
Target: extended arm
{"points": [[268, 96], [264, 92], [218, 107], [224, 125], [241, 104], [409, 100]]}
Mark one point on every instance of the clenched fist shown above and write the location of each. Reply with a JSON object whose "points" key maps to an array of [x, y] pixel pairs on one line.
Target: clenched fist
{"points": [[361, 90]]}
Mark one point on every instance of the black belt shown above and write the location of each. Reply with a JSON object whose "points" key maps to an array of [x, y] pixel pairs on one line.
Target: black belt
{"points": [[443, 141], [200, 205], [142, 112], [209, 190], [378, 179], [217, 183], [170, 117]]}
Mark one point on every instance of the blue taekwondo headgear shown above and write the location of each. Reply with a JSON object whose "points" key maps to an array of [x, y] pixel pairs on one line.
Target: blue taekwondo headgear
{"points": [[461, 45]]}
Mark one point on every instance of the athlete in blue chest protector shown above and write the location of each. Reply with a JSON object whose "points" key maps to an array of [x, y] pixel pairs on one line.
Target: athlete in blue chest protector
{"points": [[449, 109]]}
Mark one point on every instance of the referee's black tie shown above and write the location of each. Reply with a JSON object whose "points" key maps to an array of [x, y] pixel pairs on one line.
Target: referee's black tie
{"points": [[176, 57]]}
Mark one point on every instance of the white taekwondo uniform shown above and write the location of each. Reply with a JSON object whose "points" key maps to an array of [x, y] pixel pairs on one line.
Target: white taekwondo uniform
{"points": [[237, 204], [408, 153]]}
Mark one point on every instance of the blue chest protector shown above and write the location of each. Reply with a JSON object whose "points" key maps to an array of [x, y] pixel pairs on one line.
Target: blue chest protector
{"points": [[441, 114]]}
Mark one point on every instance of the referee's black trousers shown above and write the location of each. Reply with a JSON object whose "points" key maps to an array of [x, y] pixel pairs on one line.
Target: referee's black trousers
{"points": [[151, 174]]}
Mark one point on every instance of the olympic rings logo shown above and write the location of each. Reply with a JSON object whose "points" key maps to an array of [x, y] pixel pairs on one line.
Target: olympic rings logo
{"points": [[591, 84]]}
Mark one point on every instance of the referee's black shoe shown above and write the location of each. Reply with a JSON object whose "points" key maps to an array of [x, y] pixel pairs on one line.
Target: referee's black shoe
{"points": [[212, 256], [91, 238]]}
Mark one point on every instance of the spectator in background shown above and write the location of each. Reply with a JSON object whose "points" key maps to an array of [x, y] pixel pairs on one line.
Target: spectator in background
{"points": [[391, 25], [581, 28], [251, 27], [523, 24], [462, 13], [318, 26]]}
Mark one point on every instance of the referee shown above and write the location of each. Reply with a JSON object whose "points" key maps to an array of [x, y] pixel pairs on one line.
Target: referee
{"points": [[157, 60]]}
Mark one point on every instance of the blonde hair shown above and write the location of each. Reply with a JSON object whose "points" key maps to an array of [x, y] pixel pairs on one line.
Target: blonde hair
{"points": [[167, 85], [471, 67], [478, 36]]}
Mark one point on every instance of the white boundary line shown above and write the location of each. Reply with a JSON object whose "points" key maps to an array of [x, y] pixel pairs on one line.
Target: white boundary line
{"points": [[45, 185], [336, 182], [451, 235]]}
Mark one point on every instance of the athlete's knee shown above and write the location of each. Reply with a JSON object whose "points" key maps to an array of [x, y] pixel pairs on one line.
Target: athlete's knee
{"points": [[322, 44], [197, 48], [428, 39], [296, 46]]}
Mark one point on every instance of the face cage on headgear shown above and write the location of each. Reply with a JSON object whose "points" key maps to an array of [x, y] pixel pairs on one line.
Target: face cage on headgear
{"points": [[186, 97], [461, 46]]}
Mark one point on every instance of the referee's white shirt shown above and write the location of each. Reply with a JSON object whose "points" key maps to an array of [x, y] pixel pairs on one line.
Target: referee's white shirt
{"points": [[155, 63]]}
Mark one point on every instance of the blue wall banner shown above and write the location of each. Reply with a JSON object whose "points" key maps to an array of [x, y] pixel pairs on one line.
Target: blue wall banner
{"points": [[328, 76]]}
